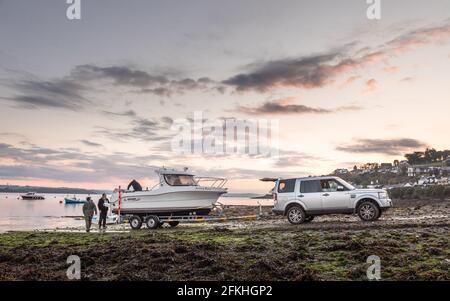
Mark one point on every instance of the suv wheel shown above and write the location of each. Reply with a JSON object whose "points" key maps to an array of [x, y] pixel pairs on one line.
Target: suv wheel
{"points": [[368, 211], [296, 215]]}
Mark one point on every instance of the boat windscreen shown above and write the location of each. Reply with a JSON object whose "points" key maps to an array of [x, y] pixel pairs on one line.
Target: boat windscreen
{"points": [[180, 180]]}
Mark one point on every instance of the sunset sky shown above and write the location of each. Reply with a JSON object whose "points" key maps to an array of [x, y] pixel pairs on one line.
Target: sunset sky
{"points": [[90, 103]]}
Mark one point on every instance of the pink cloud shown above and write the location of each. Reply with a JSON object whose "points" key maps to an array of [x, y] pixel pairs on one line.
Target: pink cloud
{"points": [[419, 37], [391, 69], [317, 71], [350, 80], [371, 85]]}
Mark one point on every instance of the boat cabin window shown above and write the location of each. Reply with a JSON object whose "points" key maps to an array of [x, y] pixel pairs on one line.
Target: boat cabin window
{"points": [[180, 180]]}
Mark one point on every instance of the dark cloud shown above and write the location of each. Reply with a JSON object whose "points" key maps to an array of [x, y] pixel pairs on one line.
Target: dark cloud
{"points": [[160, 85], [34, 154], [162, 92], [65, 88], [129, 113], [69, 91], [59, 94], [145, 128], [49, 164], [140, 129], [277, 107], [306, 72], [382, 146], [316, 71], [293, 159], [90, 143], [120, 75], [167, 120], [72, 165]]}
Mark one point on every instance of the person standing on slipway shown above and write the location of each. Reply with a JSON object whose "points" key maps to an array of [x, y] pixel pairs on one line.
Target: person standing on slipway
{"points": [[88, 211], [103, 211]]}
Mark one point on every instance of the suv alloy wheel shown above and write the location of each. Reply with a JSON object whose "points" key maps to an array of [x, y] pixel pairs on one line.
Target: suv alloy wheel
{"points": [[296, 215], [368, 211]]}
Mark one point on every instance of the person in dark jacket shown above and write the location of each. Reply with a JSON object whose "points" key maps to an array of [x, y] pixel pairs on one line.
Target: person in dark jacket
{"points": [[136, 186], [103, 211], [88, 211]]}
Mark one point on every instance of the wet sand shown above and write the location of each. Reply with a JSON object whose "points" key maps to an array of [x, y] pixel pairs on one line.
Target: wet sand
{"points": [[412, 241]]}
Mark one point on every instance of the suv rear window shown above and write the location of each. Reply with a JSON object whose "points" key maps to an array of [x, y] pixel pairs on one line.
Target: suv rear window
{"points": [[286, 186], [310, 186]]}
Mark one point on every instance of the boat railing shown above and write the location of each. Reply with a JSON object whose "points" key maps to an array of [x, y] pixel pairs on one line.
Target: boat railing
{"points": [[155, 186], [211, 182]]}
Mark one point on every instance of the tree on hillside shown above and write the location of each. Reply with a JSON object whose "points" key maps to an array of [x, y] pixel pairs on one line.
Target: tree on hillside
{"points": [[445, 154], [430, 155], [415, 158]]}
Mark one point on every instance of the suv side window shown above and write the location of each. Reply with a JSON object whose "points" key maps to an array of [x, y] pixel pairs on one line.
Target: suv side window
{"points": [[330, 185], [310, 186], [286, 186]]}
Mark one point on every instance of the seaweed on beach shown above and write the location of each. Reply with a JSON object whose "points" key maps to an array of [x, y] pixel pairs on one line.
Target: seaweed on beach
{"points": [[330, 248]]}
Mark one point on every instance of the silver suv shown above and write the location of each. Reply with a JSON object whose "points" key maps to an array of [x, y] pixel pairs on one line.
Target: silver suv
{"points": [[302, 199]]}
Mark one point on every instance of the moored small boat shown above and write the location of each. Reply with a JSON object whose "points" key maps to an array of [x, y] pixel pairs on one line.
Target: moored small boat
{"points": [[73, 201], [32, 196]]}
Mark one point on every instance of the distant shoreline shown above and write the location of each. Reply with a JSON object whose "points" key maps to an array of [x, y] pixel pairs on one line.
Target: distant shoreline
{"points": [[49, 190]]}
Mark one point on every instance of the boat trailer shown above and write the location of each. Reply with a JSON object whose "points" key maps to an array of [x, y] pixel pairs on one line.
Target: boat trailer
{"points": [[153, 221]]}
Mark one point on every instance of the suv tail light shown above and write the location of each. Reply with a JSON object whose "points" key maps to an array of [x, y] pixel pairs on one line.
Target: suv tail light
{"points": [[274, 196]]}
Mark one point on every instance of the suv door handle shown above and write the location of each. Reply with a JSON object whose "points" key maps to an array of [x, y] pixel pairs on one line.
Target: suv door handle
{"points": [[326, 194], [300, 195]]}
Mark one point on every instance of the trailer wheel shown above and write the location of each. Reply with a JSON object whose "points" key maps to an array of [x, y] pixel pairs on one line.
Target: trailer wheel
{"points": [[173, 224], [152, 222], [135, 222]]}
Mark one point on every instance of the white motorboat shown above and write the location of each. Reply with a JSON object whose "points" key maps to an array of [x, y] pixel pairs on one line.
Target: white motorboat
{"points": [[178, 193], [32, 196]]}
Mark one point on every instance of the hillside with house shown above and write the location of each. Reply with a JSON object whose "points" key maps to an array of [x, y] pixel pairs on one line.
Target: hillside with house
{"points": [[420, 168]]}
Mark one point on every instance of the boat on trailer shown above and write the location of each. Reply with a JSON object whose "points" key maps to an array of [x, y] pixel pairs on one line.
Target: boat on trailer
{"points": [[178, 193], [32, 196]]}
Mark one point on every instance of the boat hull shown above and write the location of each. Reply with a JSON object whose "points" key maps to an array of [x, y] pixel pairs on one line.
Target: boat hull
{"points": [[199, 202], [32, 198]]}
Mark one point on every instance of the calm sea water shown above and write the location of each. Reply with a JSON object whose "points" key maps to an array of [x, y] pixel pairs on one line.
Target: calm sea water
{"points": [[17, 214]]}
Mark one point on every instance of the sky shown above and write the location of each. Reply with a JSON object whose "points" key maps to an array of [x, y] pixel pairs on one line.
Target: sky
{"points": [[94, 102]]}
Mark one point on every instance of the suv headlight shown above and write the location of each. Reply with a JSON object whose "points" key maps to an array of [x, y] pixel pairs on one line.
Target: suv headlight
{"points": [[383, 195]]}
